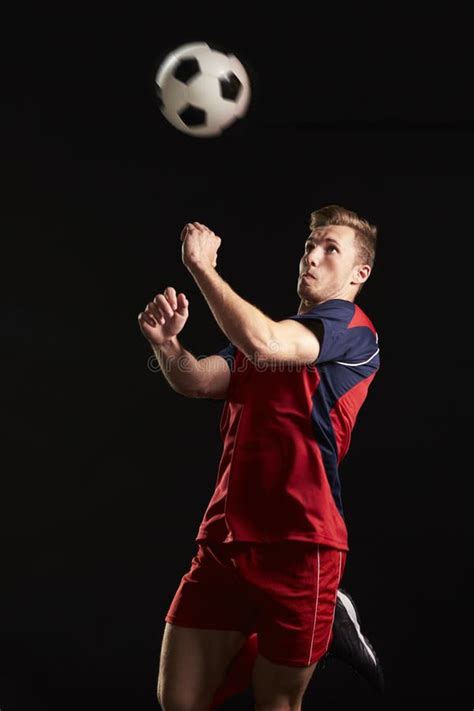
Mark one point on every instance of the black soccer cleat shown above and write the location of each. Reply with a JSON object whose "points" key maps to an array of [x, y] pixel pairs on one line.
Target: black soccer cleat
{"points": [[349, 644]]}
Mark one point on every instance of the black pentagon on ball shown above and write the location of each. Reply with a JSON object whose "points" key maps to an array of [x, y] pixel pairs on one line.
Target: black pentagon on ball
{"points": [[187, 69], [230, 86], [192, 116]]}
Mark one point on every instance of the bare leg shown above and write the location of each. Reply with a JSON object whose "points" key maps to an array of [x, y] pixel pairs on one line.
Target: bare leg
{"points": [[193, 663], [278, 687]]}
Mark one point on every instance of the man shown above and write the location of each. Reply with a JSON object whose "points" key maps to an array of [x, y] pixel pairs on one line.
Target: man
{"points": [[272, 544]]}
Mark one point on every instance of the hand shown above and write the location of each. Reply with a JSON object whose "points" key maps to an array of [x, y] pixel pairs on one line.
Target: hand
{"points": [[164, 317], [200, 246]]}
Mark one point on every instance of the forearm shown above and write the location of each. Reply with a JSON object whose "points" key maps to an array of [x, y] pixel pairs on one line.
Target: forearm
{"points": [[243, 324], [180, 368]]}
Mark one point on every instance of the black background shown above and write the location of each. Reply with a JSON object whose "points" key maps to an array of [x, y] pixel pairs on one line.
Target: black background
{"points": [[107, 471]]}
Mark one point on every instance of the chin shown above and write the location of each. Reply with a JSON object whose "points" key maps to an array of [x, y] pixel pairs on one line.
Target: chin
{"points": [[306, 292]]}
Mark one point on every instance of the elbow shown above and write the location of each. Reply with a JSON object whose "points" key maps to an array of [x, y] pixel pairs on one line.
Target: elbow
{"points": [[191, 393], [197, 392], [184, 392]]}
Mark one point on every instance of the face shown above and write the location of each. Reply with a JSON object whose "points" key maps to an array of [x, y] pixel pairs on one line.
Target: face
{"points": [[329, 262]]}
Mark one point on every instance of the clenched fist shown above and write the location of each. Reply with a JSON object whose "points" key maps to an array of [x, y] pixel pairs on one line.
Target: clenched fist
{"points": [[200, 246], [164, 317]]}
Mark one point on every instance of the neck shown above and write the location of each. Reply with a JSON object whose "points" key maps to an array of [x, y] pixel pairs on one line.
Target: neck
{"points": [[306, 306]]}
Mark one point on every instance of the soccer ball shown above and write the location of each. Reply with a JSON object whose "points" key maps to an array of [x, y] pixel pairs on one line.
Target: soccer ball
{"points": [[201, 90]]}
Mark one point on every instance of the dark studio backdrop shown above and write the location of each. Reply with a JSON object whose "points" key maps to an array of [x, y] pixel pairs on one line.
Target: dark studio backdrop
{"points": [[107, 472]]}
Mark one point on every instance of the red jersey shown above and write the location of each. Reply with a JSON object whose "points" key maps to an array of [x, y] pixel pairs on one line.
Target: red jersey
{"points": [[285, 430]]}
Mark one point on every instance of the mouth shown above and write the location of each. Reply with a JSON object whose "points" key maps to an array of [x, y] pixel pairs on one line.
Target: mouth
{"points": [[307, 276]]}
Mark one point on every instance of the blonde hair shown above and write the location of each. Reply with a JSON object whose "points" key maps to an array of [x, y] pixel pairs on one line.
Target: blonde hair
{"points": [[365, 233]]}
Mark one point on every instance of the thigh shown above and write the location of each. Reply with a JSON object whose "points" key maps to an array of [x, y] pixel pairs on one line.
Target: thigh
{"points": [[193, 663], [279, 685]]}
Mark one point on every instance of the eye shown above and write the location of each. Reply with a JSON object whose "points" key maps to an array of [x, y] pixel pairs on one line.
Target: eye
{"points": [[332, 247]]}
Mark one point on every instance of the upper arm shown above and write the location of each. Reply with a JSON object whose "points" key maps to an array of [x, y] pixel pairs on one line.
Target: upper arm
{"points": [[294, 341], [217, 377]]}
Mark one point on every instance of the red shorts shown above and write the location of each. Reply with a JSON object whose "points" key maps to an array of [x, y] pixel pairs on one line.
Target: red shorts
{"points": [[286, 592]]}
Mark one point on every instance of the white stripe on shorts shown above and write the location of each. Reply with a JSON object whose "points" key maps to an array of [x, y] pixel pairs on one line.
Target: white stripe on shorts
{"points": [[335, 601], [315, 610]]}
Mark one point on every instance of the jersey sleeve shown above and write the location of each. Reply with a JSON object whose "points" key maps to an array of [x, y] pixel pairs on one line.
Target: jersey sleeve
{"points": [[348, 337], [228, 353]]}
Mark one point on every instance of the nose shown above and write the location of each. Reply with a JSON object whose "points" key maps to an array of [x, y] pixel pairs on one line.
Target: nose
{"points": [[312, 258]]}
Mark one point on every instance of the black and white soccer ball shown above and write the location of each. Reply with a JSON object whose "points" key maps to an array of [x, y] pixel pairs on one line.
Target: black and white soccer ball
{"points": [[201, 90]]}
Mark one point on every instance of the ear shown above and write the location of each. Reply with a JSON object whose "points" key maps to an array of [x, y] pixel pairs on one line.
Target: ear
{"points": [[361, 273]]}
